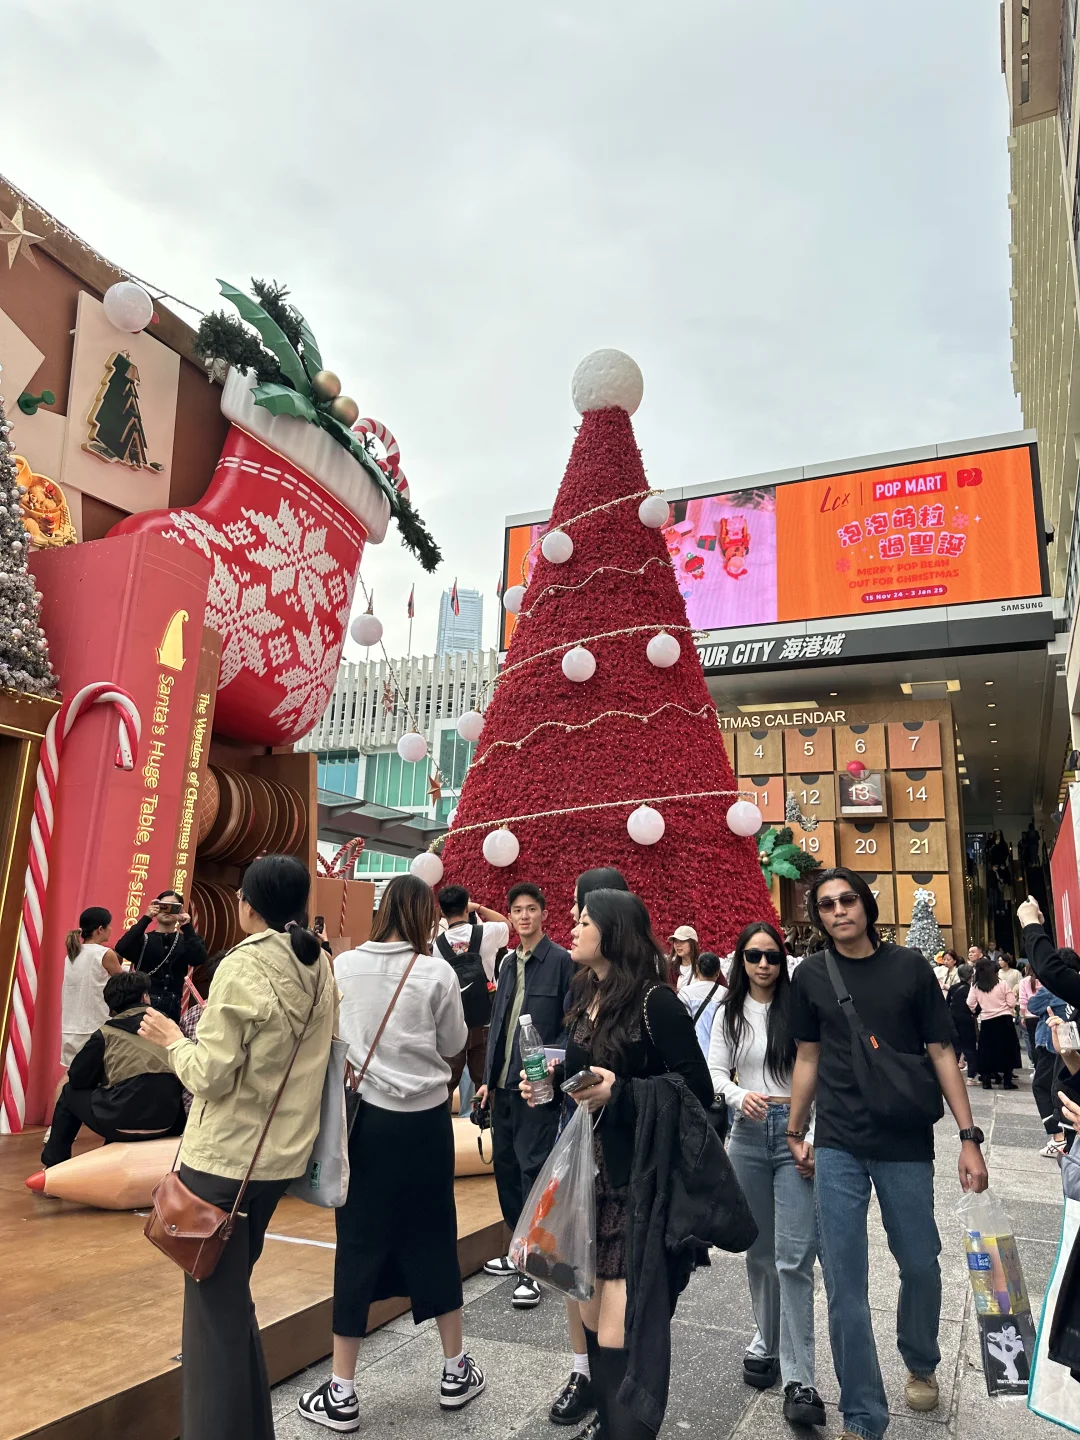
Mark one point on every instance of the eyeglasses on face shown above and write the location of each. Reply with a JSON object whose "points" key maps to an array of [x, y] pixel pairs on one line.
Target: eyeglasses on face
{"points": [[771, 957], [828, 903]]}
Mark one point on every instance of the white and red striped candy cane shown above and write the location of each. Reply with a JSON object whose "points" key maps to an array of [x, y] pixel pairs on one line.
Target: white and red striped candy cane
{"points": [[24, 994], [391, 462]]}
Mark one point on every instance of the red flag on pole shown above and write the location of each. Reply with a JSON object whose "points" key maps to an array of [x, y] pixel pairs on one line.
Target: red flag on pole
{"points": [[412, 606], [455, 603], [370, 604], [498, 588]]}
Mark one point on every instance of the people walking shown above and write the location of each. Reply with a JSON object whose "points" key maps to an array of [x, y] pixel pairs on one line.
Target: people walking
{"points": [[684, 953], [533, 985], [166, 953], [703, 996], [966, 1037], [999, 1048], [272, 1002], [627, 1026], [90, 962], [751, 1038], [402, 1016], [1028, 986], [889, 993]]}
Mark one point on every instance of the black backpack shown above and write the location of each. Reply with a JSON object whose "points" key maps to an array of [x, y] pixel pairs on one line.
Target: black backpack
{"points": [[472, 977]]}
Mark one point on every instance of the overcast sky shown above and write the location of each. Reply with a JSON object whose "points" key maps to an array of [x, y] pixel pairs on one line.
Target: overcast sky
{"points": [[792, 215]]}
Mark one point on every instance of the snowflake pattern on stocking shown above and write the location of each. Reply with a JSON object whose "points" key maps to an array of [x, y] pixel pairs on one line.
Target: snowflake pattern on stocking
{"points": [[310, 681], [237, 610], [296, 558]]}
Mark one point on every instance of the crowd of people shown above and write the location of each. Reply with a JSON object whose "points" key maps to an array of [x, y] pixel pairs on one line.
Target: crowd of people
{"points": [[666, 1044]]}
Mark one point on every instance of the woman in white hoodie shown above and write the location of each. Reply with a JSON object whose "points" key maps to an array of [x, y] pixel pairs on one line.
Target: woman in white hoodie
{"points": [[397, 1232]]}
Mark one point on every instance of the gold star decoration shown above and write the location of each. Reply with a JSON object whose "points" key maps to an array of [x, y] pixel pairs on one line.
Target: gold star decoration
{"points": [[434, 788], [15, 235]]}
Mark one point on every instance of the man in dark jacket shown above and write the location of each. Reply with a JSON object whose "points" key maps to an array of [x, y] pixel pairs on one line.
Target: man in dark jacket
{"points": [[534, 981], [119, 1085], [166, 953]]}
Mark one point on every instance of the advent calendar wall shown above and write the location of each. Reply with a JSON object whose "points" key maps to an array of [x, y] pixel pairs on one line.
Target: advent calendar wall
{"points": [[900, 825]]}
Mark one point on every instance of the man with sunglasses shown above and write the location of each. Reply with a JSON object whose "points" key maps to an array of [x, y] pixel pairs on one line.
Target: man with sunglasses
{"points": [[899, 1004]]}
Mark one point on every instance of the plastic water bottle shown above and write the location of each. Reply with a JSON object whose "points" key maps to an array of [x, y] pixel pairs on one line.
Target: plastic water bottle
{"points": [[534, 1062]]}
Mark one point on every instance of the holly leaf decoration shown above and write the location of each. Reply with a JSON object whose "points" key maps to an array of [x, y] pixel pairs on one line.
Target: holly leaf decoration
{"points": [[282, 400], [312, 355], [292, 367], [784, 868], [766, 842]]}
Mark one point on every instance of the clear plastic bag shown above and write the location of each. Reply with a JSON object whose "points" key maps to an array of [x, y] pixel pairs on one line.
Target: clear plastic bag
{"points": [[1006, 1329], [554, 1240]]}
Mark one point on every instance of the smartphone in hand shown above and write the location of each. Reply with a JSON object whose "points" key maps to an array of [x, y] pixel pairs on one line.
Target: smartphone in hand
{"points": [[583, 1080]]}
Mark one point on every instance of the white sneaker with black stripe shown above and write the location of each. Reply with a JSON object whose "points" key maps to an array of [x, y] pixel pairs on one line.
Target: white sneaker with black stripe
{"points": [[326, 1407], [458, 1389], [526, 1294], [501, 1265]]}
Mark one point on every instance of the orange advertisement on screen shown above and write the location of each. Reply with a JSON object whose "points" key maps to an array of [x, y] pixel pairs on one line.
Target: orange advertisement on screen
{"points": [[938, 532]]}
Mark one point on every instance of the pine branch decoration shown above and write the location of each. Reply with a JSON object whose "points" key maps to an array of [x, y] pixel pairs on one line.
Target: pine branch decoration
{"points": [[24, 652]]}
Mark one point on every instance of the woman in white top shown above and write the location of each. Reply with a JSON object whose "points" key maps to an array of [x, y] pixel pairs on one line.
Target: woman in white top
{"points": [[90, 962], [751, 1058], [684, 953], [397, 1231]]}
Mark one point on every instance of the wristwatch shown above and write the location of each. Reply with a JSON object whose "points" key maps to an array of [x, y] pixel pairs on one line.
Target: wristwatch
{"points": [[974, 1133]]}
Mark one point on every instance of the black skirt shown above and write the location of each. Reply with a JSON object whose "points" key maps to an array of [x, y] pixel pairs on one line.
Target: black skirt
{"points": [[999, 1046], [397, 1231]]}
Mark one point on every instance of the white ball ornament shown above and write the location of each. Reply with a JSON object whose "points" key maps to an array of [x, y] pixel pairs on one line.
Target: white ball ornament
{"points": [[513, 598], [744, 818], [606, 379], [501, 848], [653, 512], [557, 547], [451, 817], [579, 664], [128, 306], [663, 650], [471, 725], [427, 867], [412, 746], [645, 825], [366, 630]]}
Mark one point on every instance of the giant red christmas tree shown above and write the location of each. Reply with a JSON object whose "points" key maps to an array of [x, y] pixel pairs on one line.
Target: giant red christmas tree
{"points": [[633, 732]]}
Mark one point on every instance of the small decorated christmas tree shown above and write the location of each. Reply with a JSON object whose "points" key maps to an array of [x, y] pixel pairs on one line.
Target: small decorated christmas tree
{"points": [[601, 744], [24, 651], [924, 932], [116, 426]]}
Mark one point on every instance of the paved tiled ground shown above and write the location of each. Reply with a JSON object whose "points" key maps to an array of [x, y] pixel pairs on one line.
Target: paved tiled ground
{"points": [[526, 1357]]}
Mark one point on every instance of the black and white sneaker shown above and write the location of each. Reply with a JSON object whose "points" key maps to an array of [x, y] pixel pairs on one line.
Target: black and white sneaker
{"points": [[457, 1390], [324, 1408], [526, 1294], [501, 1265]]}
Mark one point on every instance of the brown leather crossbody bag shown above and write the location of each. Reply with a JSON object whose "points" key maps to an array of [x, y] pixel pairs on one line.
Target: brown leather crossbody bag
{"points": [[191, 1231]]}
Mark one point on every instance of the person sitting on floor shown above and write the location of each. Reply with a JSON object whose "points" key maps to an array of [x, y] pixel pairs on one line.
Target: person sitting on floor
{"points": [[119, 1085]]}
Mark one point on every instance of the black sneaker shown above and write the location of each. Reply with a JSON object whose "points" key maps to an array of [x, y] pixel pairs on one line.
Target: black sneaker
{"points": [[526, 1294], [592, 1431], [761, 1372], [319, 1405], [803, 1405], [575, 1401], [458, 1390], [501, 1265]]}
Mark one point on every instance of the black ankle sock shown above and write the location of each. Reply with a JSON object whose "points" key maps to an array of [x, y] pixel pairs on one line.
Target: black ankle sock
{"points": [[618, 1422]]}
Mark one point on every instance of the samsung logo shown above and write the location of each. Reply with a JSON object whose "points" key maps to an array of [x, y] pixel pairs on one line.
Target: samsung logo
{"points": [[1022, 605]]}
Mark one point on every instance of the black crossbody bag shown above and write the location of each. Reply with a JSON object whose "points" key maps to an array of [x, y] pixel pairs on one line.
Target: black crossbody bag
{"points": [[902, 1090]]}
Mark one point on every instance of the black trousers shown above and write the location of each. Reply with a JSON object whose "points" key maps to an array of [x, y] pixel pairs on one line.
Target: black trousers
{"points": [[522, 1138], [72, 1111], [225, 1390], [1031, 1024], [1042, 1089]]}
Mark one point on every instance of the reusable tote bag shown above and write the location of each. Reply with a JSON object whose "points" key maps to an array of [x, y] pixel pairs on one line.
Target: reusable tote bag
{"points": [[325, 1181]]}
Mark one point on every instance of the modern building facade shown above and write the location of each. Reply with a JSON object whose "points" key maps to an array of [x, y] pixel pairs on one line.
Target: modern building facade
{"points": [[461, 634], [356, 739]]}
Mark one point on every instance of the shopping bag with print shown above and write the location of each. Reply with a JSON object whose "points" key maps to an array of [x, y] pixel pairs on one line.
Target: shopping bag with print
{"points": [[325, 1181], [554, 1240], [1006, 1329]]}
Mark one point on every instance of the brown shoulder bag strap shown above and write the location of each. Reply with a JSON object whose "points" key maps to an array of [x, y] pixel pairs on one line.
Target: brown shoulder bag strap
{"points": [[273, 1110], [354, 1078]]}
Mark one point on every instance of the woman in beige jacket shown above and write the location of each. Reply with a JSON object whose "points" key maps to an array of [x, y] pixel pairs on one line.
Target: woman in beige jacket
{"points": [[264, 993]]}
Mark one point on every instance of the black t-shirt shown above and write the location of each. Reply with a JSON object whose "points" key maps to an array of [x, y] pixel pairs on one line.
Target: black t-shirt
{"points": [[898, 998]]}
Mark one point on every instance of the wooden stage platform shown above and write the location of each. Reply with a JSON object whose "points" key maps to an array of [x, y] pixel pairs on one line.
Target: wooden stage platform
{"points": [[90, 1312]]}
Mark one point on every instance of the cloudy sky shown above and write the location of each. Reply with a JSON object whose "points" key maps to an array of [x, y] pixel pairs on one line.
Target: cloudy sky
{"points": [[792, 215]]}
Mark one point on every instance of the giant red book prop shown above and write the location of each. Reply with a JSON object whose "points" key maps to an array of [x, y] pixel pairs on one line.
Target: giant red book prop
{"points": [[635, 731]]}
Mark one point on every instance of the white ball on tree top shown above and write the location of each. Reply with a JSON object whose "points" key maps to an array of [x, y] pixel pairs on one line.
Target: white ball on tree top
{"points": [[513, 598], [606, 379], [653, 512], [366, 630], [557, 547]]}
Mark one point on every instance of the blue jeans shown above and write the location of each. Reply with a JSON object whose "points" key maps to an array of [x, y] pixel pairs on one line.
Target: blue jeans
{"points": [[905, 1191], [780, 1263]]}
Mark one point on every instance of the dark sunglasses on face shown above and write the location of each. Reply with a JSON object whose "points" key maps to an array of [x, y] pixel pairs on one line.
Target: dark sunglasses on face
{"points": [[771, 957], [828, 903]]}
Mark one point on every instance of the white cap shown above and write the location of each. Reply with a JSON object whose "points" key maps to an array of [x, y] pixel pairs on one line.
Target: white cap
{"points": [[524, 1019]]}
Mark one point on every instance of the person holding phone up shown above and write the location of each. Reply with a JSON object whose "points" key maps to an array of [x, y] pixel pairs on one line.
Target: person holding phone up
{"points": [[165, 953]]}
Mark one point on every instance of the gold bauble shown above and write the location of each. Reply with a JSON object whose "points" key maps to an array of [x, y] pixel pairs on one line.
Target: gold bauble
{"points": [[345, 409], [326, 385]]}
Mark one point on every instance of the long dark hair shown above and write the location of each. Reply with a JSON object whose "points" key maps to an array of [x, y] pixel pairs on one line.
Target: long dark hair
{"points": [[604, 877], [89, 921], [987, 975], [779, 1044], [637, 964], [861, 889], [408, 909], [277, 888]]}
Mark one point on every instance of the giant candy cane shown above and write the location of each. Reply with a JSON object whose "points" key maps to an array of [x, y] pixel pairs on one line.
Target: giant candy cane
{"points": [[24, 995]]}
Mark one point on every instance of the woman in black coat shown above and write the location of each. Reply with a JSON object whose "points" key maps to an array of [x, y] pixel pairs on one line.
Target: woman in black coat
{"points": [[967, 1037]]}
